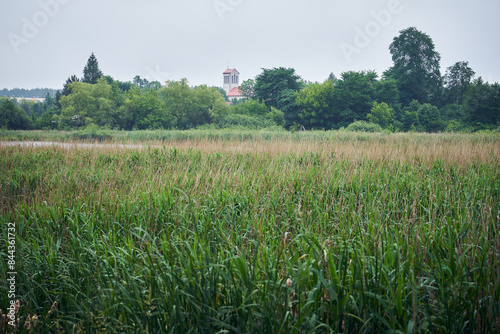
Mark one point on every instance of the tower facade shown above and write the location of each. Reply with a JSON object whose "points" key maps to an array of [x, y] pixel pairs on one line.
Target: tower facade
{"points": [[231, 79]]}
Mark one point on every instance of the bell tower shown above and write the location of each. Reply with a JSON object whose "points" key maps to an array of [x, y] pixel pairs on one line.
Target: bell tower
{"points": [[231, 79]]}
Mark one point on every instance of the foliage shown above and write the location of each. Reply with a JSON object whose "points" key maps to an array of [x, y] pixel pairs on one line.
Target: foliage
{"points": [[416, 66], [452, 103], [382, 115], [146, 110], [67, 85], [482, 104], [89, 103], [28, 93], [277, 116], [12, 117], [250, 108], [276, 88], [410, 117], [144, 84], [353, 96], [458, 79], [251, 114], [315, 102], [244, 121], [429, 118], [386, 90], [363, 126], [247, 88], [91, 71]]}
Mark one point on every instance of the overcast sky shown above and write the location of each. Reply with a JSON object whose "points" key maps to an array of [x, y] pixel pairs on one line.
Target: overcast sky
{"points": [[43, 42]]}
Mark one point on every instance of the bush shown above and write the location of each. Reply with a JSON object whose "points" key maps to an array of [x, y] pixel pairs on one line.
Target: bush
{"points": [[92, 132], [362, 126], [246, 121]]}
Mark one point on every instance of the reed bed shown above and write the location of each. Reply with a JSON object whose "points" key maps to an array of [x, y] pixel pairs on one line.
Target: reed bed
{"points": [[292, 233]]}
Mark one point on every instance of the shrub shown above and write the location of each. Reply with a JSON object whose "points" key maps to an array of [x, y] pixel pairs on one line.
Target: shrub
{"points": [[363, 126], [246, 121]]}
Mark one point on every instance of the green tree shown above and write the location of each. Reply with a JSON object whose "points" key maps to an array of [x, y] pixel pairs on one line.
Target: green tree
{"points": [[410, 117], [222, 93], [458, 79], [277, 116], [332, 78], [416, 67], [250, 114], [91, 71], [316, 106], [251, 108], [89, 103], [353, 97], [277, 87], [247, 88], [66, 88], [193, 107], [145, 110], [482, 104], [178, 99], [386, 90], [429, 118], [48, 120], [13, 117], [141, 83], [208, 102], [382, 115]]}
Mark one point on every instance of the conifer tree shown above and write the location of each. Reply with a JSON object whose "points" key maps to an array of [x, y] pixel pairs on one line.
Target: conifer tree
{"points": [[91, 72]]}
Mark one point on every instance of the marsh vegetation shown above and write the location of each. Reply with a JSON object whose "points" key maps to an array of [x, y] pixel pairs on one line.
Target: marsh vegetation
{"points": [[213, 232]]}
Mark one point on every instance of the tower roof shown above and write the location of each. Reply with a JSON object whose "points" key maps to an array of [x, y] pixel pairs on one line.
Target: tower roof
{"points": [[229, 71], [234, 92]]}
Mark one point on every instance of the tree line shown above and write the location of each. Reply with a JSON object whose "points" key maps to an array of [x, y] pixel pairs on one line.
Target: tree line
{"points": [[28, 93], [412, 95]]}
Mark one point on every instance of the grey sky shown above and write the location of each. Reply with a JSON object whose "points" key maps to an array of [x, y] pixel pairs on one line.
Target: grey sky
{"points": [[43, 42]]}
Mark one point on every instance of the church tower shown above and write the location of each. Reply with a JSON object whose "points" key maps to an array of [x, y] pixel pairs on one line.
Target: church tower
{"points": [[231, 79]]}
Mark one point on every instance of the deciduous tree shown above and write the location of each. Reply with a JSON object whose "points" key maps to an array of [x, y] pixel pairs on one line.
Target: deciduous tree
{"points": [[382, 115], [353, 96], [277, 88], [458, 79], [416, 67], [315, 103], [89, 103], [12, 117]]}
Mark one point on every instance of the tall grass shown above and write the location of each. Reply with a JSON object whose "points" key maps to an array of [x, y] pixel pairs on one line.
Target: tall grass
{"points": [[233, 135], [329, 233]]}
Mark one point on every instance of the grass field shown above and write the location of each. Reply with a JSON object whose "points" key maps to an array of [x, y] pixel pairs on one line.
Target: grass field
{"points": [[241, 232]]}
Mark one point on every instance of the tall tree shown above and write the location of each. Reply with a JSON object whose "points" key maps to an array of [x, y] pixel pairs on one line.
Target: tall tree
{"points": [[353, 96], [141, 83], [91, 71], [316, 106], [458, 78], [247, 88], [89, 103], [66, 88], [333, 78], [271, 83], [429, 118], [482, 104], [386, 90], [277, 87], [416, 67]]}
